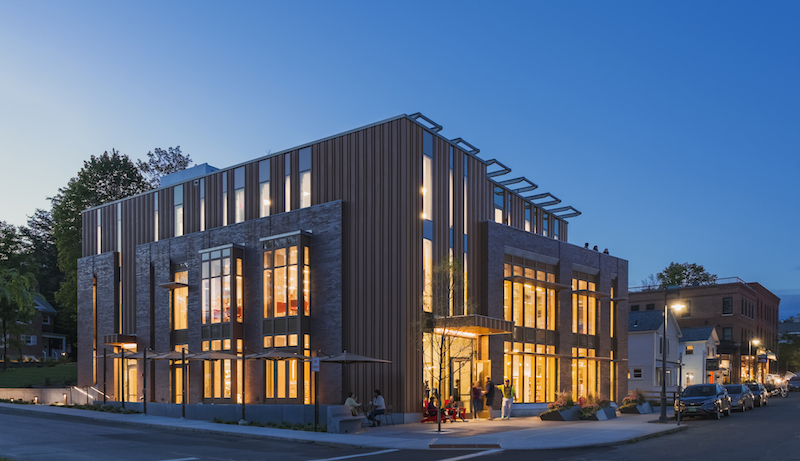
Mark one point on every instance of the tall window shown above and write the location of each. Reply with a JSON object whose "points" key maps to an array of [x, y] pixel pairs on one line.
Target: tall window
{"points": [[224, 198], [119, 227], [238, 192], [305, 177], [545, 225], [202, 205], [178, 194], [499, 202], [528, 227], [287, 182], [466, 231], [584, 303], [427, 219], [263, 186], [727, 306], [585, 373], [282, 284], [556, 228], [217, 296], [179, 298]]}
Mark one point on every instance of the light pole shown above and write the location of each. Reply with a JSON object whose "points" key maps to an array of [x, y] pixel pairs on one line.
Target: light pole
{"points": [[750, 354], [677, 307]]}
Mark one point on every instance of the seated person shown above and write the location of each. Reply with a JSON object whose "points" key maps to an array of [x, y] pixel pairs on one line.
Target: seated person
{"points": [[351, 402], [380, 408]]}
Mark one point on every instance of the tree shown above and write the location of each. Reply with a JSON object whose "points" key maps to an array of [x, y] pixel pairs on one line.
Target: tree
{"points": [[789, 352], [41, 253], [102, 179], [442, 335], [162, 162], [12, 246], [685, 275], [16, 304]]}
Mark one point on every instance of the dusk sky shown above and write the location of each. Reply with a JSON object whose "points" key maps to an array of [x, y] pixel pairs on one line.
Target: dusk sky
{"points": [[672, 126]]}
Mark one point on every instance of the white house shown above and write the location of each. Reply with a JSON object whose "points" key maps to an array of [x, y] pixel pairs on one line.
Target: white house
{"points": [[645, 342], [699, 345]]}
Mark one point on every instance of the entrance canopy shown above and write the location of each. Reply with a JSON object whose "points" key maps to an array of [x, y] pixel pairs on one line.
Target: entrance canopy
{"points": [[472, 326]]}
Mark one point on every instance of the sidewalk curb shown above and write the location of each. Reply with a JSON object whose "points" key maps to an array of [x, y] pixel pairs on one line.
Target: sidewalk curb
{"points": [[92, 418]]}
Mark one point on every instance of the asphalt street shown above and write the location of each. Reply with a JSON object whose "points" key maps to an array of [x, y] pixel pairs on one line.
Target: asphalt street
{"points": [[769, 433]]}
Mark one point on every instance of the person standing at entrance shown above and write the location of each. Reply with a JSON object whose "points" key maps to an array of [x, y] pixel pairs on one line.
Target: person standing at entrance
{"points": [[477, 399], [489, 393], [509, 394]]}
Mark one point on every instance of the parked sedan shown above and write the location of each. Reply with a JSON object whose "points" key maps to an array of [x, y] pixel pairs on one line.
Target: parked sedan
{"points": [[704, 400], [794, 384], [741, 397], [760, 393]]}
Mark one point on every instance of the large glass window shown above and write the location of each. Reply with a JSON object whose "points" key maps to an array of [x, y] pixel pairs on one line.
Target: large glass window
{"points": [[238, 186], [155, 216], [545, 224], [263, 185], [528, 208], [533, 371], [529, 303], [178, 196], [281, 281], [585, 373], [584, 303], [218, 375], [179, 299], [305, 177], [727, 306], [217, 292], [427, 220]]}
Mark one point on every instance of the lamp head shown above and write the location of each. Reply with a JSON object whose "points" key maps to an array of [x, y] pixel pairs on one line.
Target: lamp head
{"points": [[677, 307], [755, 342]]}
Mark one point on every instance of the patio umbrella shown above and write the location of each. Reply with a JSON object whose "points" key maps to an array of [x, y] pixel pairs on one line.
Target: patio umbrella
{"points": [[346, 358], [212, 355], [277, 354]]}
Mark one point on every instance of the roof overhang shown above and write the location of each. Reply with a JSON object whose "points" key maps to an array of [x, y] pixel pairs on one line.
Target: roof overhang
{"points": [[173, 285], [472, 326], [538, 283]]}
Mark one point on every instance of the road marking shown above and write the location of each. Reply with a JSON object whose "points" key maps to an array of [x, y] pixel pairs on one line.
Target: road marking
{"points": [[474, 455], [180, 459], [359, 455]]}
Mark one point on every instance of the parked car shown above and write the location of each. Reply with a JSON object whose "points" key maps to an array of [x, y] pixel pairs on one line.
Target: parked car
{"points": [[794, 384], [760, 393], [741, 397], [704, 400]]}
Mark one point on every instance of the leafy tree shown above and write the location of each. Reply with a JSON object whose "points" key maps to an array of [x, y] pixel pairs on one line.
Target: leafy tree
{"points": [[16, 304], [162, 162], [12, 246], [441, 337], [102, 179], [789, 353], [41, 253], [685, 275]]}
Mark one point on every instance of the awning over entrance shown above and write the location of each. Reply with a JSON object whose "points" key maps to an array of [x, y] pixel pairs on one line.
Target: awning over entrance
{"points": [[538, 283], [472, 325]]}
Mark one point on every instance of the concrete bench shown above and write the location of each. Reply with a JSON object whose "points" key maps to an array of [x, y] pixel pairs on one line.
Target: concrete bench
{"points": [[342, 421]]}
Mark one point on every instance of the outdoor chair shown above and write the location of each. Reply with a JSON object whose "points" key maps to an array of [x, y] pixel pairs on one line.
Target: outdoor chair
{"points": [[387, 415]]}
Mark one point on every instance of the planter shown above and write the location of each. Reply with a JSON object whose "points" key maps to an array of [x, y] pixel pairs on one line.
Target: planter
{"points": [[644, 408], [570, 414], [603, 414]]}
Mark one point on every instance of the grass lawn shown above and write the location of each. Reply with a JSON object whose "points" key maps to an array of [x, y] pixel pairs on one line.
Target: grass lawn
{"points": [[60, 375]]}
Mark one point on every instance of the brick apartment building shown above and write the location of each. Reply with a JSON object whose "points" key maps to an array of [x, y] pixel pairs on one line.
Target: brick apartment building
{"points": [[740, 312]]}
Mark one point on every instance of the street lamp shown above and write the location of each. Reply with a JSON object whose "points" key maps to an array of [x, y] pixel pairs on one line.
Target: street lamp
{"points": [[750, 354], [663, 417]]}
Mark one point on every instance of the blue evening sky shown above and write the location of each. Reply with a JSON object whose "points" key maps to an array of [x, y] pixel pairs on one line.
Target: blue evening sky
{"points": [[673, 126]]}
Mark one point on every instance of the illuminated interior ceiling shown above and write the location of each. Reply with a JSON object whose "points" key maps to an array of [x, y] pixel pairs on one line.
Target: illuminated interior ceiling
{"points": [[472, 325]]}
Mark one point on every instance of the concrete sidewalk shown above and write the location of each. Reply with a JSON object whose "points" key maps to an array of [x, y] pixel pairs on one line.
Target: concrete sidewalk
{"points": [[522, 433]]}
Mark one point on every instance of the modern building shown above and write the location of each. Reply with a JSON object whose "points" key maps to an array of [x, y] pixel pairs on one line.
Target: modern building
{"points": [[699, 359], [744, 315], [645, 351], [334, 245]]}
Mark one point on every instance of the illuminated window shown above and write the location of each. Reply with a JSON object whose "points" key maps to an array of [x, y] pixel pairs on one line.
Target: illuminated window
{"points": [[263, 178], [532, 371], [225, 198], [584, 303], [179, 298], [218, 290], [287, 182], [155, 215], [177, 192], [202, 205], [238, 193], [305, 177], [499, 204]]}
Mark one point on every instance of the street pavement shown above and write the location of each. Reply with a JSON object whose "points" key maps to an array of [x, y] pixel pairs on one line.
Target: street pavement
{"points": [[518, 433]]}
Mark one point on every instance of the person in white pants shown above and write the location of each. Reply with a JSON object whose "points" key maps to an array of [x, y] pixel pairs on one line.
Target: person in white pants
{"points": [[509, 394]]}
